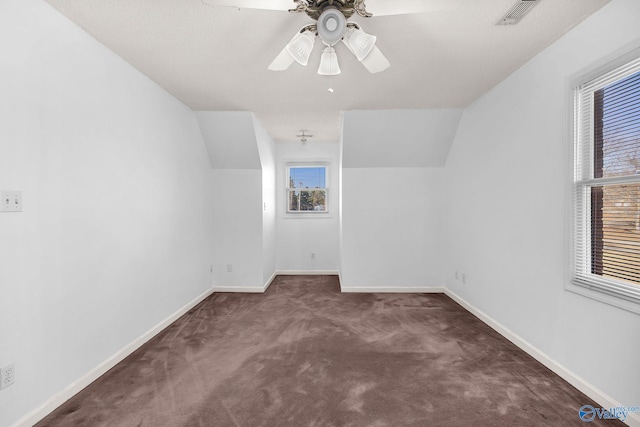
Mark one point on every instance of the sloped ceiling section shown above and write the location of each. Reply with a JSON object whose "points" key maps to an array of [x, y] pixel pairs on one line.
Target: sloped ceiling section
{"points": [[230, 139], [398, 138]]}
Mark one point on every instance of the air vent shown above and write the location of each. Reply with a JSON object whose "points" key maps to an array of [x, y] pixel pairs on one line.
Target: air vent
{"points": [[517, 12]]}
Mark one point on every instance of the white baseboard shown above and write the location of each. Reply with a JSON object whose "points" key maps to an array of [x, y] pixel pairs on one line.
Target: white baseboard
{"points": [[75, 387], [307, 272], [392, 290], [262, 289], [633, 419], [247, 289], [243, 289], [270, 281]]}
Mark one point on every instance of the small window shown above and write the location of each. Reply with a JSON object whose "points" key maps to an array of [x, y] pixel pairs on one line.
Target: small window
{"points": [[307, 189], [606, 185]]}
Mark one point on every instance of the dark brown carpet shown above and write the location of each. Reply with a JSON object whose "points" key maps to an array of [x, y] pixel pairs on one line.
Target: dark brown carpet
{"points": [[303, 354]]}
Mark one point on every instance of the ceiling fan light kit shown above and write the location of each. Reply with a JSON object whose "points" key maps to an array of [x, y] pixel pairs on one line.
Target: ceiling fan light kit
{"points": [[331, 27]]}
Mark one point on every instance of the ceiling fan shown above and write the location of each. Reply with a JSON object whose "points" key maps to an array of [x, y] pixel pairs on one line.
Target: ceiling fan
{"points": [[332, 27]]}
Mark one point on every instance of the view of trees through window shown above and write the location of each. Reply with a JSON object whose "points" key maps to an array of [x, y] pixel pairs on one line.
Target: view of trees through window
{"points": [[615, 208], [307, 190]]}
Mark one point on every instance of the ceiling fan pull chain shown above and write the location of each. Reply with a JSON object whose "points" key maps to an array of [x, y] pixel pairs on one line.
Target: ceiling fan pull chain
{"points": [[361, 8], [330, 73]]}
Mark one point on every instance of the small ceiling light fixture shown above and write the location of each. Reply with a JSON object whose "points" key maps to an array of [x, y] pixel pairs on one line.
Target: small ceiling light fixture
{"points": [[303, 137]]}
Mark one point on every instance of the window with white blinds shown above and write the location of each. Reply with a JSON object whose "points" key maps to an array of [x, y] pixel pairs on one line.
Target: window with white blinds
{"points": [[606, 183]]}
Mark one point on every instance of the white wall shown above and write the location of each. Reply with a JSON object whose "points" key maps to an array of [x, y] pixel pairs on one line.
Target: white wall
{"points": [[299, 237], [391, 227], [506, 212], [398, 138], [230, 139], [115, 233], [267, 149], [237, 222]]}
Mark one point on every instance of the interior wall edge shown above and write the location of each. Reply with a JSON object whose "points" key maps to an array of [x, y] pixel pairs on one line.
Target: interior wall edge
{"points": [[74, 388], [270, 281], [633, 419]]}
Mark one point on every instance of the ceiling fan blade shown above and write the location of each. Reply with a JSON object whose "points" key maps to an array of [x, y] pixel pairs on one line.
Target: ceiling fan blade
{"points": [[400, 7], [298, 49], [376, 62], [282, 61], [282, 5]]}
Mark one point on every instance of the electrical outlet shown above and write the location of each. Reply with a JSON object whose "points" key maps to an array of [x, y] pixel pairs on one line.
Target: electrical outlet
{"points": [[313, 255], [464, 278], [229, 268], [11, 201], [7, 376], [456, 274], [211, 268]]}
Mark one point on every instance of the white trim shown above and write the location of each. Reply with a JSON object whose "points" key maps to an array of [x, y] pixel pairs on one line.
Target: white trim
{"points": [[307, 214], [74, 388], [243, 289], [270, 281], [579, 279], [247, 289], [262, 289], [601, 295], [633, 419], [392, 290], [307, 272]]}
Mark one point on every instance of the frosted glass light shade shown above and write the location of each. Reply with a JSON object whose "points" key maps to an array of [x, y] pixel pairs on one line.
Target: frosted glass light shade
{"points": [[359, 42], [329, 62], [300, 47]]}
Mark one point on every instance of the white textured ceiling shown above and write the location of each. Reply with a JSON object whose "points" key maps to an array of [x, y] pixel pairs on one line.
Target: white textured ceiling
{"points": [[216, 58]]}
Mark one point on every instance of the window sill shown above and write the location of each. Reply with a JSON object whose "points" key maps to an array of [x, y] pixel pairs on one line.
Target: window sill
{"points": [[308, 215], [595, 292]]}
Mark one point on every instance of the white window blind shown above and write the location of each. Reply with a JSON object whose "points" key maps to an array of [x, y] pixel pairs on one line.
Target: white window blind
{"points": [[607, 183]]}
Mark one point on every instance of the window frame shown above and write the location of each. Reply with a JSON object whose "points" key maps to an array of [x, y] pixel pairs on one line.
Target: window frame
{"points": [[608, 290], [306, 214]]}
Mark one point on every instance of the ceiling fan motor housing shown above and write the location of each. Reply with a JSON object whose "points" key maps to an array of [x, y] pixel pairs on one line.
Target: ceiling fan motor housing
{"points": [[331, 26]]}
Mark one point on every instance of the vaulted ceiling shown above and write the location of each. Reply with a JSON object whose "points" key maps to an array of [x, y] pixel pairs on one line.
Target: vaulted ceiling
{"points": [[215, 58]]}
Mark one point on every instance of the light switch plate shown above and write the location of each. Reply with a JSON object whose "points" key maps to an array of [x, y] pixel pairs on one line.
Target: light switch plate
{"points": [[11, 201]]}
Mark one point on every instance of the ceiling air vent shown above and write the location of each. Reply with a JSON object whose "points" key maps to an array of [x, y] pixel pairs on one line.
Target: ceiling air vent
{"points": [[517, 12]]}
